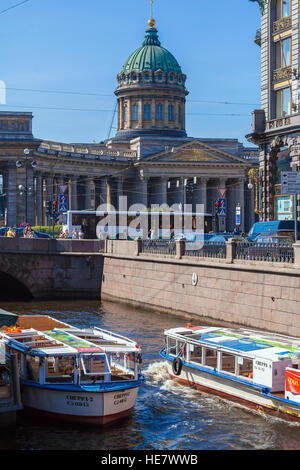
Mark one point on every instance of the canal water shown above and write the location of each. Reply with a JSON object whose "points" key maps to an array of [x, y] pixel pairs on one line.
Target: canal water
{"points": [[167, 416]]}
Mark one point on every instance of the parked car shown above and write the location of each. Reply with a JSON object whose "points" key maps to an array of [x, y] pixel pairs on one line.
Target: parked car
{"points": [[267, 237], [268, 247], [285, 228]]}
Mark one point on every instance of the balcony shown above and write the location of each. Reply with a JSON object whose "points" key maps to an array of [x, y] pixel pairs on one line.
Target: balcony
{"points": [[277, 123], [281, 25], [284, 73]]}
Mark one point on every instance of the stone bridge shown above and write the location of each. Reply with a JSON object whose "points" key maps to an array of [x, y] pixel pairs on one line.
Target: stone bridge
{"points": [[50, 269]]}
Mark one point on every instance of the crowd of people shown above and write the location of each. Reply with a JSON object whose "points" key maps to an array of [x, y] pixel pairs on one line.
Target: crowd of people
{"points": [[27, 232], [76, 235]]}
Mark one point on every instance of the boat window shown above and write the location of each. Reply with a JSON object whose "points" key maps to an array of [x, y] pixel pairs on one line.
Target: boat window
{"points": [[93, 368], [210, 357], [59, 368], [181, 349], [32, 368], [228, 362], [171, 346], [245, 367], [196, 353]]}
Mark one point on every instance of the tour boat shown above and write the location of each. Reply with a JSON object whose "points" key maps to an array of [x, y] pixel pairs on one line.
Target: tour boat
{"points": [[258, 370], [87, 375]]}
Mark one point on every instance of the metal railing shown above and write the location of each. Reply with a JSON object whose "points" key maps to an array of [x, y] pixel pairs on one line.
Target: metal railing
{"points": [[275, 252], [159, 247], [207, 250]]}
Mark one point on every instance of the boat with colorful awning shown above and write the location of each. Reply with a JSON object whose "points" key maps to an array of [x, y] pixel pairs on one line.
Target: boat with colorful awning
{"points": [[257, 369], [86, 375]]}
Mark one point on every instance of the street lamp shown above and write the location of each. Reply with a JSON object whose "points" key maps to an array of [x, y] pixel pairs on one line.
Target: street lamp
{"points": [[25, 189], [253, 175]]}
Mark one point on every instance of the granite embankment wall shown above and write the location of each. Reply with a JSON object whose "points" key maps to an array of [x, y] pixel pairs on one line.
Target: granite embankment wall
{"points": [[51, 269], [260, 295]]}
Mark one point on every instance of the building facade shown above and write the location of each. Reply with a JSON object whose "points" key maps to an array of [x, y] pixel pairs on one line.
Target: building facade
{"points": [[276, 126], [150, 160]]}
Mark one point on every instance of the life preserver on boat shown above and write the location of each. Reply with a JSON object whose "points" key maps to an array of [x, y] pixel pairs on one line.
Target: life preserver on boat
{"points": [[177, 366]]}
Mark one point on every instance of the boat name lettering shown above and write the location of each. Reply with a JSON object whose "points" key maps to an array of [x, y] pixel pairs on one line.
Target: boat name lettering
{"points": [[263, 364], [121, 397], [77, 400]]}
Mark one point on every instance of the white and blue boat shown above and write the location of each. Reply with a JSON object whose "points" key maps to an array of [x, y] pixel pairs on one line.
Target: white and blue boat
{"points": [[258, 370], [87, 375]]}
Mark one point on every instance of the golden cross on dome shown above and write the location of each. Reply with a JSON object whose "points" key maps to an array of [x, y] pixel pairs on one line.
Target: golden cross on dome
{"points": [[151, 22]]}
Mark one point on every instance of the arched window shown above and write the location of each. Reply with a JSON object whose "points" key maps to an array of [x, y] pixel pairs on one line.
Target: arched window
{"points": [[159, 112], [170, 112], [147, 112]]}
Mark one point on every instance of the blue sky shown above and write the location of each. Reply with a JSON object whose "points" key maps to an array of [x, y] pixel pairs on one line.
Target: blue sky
{"points": [[78, 48]]}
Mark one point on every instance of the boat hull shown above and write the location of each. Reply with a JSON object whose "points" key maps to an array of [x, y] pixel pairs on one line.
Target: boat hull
{"points": [[245, 394], [80, 406]]}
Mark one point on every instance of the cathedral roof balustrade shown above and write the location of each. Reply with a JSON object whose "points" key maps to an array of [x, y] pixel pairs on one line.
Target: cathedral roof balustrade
{"points": [[72, 151]]}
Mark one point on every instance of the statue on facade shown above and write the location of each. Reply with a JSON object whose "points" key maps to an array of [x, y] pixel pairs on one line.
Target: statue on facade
{"points": [[261, 4]]}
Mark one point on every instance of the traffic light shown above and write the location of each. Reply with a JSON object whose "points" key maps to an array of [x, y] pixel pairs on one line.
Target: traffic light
{"points": [[54, 214], [49, 208]]}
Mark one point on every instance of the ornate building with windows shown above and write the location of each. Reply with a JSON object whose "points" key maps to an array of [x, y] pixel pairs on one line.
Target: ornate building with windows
{"points": [[150, 160], [276, 127]]}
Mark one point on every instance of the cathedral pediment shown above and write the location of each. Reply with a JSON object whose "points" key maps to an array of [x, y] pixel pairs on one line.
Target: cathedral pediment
{"points": [[194, 152]]}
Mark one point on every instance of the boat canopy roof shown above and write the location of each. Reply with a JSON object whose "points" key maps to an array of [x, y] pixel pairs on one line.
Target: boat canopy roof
{"points": [[66, 340], [249, 343]]}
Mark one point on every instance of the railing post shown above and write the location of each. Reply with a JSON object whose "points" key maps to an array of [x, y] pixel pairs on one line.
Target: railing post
{"points": [[230, 250], [139, 246], [180, 249], [296, 247]]}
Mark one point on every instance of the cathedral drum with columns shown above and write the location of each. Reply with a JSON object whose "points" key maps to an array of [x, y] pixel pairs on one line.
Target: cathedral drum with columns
{"points": [[151, 160]]}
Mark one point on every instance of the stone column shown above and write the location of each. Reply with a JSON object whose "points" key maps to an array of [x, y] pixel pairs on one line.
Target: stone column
{"points": [[129, 113], [39, 200], [108, 192], [153, 112], [183, 192], [140, 113], [144, 191], [10, 188], [87, 195], [119, 192], [165, 115], [74, 195], [164, 190], [200, 194], [49, 188], [102, 192]]}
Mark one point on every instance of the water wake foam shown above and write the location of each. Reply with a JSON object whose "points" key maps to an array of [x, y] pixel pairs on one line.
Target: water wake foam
{"points": [[157, 372]]}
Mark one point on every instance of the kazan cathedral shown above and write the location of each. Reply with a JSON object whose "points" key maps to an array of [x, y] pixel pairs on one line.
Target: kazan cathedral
{"points": [[150, 160]]}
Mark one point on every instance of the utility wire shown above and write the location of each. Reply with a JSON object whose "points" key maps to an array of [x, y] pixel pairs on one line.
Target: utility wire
{"points": [[225, 102], [14, 6], [98, 110]]}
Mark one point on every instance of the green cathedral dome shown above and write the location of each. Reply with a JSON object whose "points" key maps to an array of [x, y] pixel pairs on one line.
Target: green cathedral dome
{"points": [[152, 57]]}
